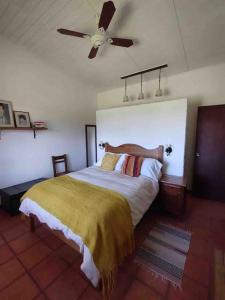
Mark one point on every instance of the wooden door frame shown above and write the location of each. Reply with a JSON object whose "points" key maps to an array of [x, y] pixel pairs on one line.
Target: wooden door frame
{"points": [[86, 139]]}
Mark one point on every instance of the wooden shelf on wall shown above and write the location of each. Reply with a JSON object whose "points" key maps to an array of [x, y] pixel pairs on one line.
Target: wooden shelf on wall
{"points": [[24, 129]]}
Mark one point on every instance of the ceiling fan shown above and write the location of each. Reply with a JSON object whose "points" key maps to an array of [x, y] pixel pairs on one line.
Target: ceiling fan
{"points": [[100, 37]]}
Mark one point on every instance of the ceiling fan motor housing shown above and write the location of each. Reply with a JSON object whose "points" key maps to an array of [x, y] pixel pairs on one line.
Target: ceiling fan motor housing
{"points": [[99, 38]]}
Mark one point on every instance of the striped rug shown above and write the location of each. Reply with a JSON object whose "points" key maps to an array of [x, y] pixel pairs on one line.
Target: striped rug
{"points": [[164, 252]]}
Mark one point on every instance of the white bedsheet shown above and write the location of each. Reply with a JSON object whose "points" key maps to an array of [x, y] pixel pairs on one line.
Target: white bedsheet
{"points": [[139, 192]]}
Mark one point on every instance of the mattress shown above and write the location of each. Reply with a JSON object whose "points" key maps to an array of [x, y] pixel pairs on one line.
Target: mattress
{"points": [[139, 192]]}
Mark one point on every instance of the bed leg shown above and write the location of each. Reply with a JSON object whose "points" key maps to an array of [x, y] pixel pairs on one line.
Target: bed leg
{"points": [[32, 223]]}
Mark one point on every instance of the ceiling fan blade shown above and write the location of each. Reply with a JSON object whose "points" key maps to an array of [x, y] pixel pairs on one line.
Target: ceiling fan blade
{"points": [[93, 52], [71, 32], [107, 13], [121, 42]]}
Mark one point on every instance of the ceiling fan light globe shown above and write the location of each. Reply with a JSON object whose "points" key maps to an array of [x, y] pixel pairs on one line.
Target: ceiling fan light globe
{"points": [[141, 96], [99, 38], [159, 93]]}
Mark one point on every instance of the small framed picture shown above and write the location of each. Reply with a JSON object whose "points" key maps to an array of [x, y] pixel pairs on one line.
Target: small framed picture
{"points": [[6, 114], [22, 119]]}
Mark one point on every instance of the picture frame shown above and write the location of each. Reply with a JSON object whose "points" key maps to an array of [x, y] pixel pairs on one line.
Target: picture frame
{"points": [[6, 114], [22, 119]]}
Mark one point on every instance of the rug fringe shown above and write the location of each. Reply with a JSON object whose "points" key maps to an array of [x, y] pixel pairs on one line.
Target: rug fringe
{"points": [[158, 275]]}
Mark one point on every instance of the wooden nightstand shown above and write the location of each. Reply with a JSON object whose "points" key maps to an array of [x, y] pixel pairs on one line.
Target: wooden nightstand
{"points": [[172, 194]]}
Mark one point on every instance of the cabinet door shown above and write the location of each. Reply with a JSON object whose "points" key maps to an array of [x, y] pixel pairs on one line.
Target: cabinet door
{"points": [[209, 170], [173, 199]]}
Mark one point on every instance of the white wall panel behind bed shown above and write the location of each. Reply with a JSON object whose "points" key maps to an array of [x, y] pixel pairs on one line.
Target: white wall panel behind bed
{"points": [[148, 125]]}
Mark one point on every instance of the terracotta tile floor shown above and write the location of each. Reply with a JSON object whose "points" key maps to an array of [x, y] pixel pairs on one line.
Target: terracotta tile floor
{"points": [[38, 266]]}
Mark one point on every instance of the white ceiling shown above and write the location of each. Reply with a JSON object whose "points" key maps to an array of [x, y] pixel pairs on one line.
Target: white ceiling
{"points": [[186, 34]]}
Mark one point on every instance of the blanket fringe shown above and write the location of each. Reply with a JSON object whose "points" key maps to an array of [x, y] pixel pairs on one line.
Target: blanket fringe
{"points": [[108, 284], [108, 280]]}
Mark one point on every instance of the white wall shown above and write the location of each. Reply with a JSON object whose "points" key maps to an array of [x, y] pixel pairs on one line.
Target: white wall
{"points": [[203, 86], [148, 125], [39, 88]]}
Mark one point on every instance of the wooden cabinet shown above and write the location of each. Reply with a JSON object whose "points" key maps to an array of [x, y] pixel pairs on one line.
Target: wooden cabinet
{"points": [[172, 194]]}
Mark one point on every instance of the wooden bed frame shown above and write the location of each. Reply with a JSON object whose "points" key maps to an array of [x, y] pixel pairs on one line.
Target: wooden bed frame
{"points": [[137, 150], [131, 149]]}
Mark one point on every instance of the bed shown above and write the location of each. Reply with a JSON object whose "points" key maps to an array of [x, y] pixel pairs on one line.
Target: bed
{"points": [[140, 192]]}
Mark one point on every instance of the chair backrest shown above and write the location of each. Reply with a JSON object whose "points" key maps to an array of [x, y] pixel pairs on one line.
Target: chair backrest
{"points": [[58, 160]]}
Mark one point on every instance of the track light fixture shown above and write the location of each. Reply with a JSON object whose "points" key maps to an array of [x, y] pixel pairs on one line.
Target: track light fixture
{"points": [[159, 92], [125, 98], [141, 95]]}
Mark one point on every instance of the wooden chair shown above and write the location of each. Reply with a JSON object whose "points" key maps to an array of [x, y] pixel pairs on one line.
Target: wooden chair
{"points": [[58, 160]]}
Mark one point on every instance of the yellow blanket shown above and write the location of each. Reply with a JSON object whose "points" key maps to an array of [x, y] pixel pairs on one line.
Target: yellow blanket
{"points": [[101, 217]]}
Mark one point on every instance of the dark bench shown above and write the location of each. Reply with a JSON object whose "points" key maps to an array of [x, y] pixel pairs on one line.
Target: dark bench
{"points": [[10, 196]]}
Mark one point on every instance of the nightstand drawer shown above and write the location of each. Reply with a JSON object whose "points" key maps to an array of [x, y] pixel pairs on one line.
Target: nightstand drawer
{"points": [[171, 190], [172, 198]]}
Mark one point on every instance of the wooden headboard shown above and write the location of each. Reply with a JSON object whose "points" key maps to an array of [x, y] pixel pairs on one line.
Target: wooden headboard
{"points": [[134, 149]]}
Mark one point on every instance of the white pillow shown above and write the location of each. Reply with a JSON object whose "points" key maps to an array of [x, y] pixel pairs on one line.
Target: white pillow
{"points": [[119, 164], [151, 168]]}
